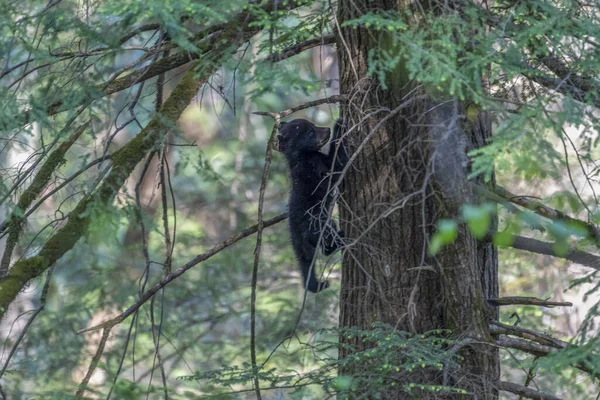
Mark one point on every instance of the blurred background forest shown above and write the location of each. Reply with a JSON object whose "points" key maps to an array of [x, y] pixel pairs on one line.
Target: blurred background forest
{"points": [[204, 180]]}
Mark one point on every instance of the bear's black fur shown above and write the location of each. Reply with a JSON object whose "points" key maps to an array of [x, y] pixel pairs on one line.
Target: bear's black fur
{"points": [[301, 141]]}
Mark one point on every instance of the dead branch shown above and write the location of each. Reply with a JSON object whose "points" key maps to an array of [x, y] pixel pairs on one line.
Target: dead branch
{"points": [[284, 113], [524, 391], [527, 301], [540, 350], [257, 248], [539, 247], [300, 47], [95, 360], [529, 334]]}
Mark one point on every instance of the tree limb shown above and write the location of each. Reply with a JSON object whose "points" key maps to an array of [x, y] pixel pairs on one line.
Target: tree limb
{"points": [[41, 179], [545, 211], [529, 301], [524, 391], [206, 41], [124, 161], [179, 271], [540, 350], [529, 334], [284, 113], [539, 247]]}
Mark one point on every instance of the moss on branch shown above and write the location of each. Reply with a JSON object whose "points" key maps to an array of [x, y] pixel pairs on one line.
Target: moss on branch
{"points": [[124, 161], [40, 181]]}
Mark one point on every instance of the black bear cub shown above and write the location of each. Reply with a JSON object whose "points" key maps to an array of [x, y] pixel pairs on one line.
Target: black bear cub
{"points": [[301, 141]]}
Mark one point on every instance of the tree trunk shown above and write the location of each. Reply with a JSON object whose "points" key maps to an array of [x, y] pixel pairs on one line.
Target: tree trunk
{"points": [[410, 173]]}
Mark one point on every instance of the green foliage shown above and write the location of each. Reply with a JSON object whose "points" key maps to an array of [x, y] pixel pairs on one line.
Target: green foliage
{"points": [[63, 55], [384, 358], [446, 234]]}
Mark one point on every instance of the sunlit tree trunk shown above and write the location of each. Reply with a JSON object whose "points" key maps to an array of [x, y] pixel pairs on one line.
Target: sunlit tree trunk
{"points": [[411, 172]]}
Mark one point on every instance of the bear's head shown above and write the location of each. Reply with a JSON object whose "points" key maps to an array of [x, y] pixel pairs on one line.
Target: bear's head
{"points": [[301, 135]]}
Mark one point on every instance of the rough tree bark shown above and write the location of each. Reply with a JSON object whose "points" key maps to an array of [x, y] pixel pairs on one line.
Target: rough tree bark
{"points": [[410, 173]]}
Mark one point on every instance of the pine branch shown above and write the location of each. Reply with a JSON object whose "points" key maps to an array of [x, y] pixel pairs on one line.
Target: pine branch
{"points": [[539, 208], [207, 41], [124, 160], [567, 81]]}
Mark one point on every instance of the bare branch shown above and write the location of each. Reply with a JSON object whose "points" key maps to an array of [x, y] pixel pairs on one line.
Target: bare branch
{"points": [[282, 114], [540, 350], [300, 47], [95, 360], [529, 334], [257, 248], [528, 301], [179, 271], [546, 248], [524, 391]]}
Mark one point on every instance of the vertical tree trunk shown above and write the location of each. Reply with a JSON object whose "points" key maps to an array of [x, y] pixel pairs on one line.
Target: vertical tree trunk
{"points": [[410, 173]]}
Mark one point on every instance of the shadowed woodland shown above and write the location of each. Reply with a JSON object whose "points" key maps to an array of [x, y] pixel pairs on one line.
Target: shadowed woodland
{"points": [[144, 242]]}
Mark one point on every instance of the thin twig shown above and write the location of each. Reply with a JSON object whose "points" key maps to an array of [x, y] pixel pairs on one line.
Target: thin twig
{"points": [[179, 271], [95, 360], [29, 322], [300, 47], [261, 198], [284, 113]]}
